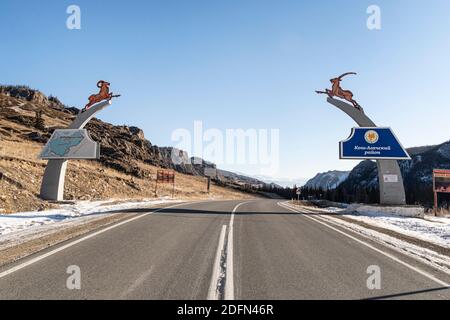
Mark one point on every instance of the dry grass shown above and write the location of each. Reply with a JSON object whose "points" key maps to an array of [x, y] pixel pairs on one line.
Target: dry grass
{"points": [[441, 212], [86, 180]]}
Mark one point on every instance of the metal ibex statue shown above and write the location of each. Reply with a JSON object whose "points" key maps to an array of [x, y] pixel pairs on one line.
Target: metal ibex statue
{"points": [[337, 91], [104, 94]]}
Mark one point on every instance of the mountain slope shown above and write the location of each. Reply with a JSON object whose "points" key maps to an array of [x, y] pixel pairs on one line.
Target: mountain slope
{"points": [[327, 180]]}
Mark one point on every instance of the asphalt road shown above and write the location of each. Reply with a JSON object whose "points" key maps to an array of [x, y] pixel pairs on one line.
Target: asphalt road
{"points": [[265, 251]]}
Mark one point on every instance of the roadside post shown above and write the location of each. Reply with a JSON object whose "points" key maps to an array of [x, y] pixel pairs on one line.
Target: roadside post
{"points": [[209, 173]]}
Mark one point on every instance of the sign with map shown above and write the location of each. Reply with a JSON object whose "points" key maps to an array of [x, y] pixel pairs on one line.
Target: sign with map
{"points": [[71, 144], [373, 143]]}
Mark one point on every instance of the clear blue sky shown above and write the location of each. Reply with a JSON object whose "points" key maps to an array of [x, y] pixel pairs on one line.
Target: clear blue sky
{"points": [[241, 64]]}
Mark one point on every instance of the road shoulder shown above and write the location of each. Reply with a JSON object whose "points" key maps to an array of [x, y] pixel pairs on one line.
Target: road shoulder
{"points": [[28, 244]]}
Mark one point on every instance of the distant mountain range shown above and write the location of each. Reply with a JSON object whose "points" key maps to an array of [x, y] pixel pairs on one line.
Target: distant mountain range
{"points": [[327, 180], [276, 182]]}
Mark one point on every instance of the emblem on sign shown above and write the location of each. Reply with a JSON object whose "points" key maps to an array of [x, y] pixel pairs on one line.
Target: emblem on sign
{"points": [[371, 137]]}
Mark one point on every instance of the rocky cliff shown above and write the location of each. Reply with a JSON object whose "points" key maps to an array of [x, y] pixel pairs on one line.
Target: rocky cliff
{"points": [[122, 147]]}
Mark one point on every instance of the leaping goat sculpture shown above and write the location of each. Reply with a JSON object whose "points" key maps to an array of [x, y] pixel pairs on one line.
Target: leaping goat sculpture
{"points": [[337, 91], [104, 94]]}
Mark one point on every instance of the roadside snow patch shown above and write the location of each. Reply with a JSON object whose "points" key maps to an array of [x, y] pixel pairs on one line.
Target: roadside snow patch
{"points": [[19, 222]]}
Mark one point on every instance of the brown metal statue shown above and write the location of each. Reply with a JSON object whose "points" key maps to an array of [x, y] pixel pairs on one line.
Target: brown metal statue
{"points": [[337, 91], [104, 94]]}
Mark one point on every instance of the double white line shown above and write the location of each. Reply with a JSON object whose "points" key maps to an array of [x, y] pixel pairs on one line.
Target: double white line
{"points": [[222, 280]]}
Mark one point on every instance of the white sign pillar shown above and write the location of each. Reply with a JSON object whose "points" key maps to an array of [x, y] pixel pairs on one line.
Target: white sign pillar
{"points": [[52, 187]]}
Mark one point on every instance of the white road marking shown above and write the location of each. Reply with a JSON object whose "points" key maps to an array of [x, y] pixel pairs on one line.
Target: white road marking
{"points": [[213, 293], [229, 280], [226, 272], [423, 273], [52, 252]]}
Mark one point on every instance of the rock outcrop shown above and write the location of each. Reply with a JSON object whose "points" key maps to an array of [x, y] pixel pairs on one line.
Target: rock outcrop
{"points": [[123, 148]]}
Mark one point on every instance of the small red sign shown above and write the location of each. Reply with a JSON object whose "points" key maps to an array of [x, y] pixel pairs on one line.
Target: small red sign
{"points": [[441, 180], [165, 176]]}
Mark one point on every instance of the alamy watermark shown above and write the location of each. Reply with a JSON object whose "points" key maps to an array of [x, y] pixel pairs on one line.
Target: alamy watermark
{"points": [[256, 147], [73, 282], [374, 19], [73, 21], [374, 280]]}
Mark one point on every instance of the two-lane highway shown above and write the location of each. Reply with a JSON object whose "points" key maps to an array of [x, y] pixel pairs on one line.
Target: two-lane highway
{"points": [[265, 251]]}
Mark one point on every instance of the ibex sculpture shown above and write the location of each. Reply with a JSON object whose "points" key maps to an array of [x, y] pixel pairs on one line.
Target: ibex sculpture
{"points": [[337, 91], [104, 94]]}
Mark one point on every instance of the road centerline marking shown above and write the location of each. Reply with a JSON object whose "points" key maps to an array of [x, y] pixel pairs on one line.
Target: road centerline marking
{"points": [[229, 280], [223, 263], [218, 274]]}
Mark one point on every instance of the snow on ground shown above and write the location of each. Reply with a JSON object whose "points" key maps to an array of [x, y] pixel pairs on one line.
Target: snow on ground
{"points": [[431, 229], [19, 223]]}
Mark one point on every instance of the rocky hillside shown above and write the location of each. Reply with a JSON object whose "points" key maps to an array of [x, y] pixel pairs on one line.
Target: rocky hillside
{"points": [[327, 180], [240, 179], [123, 148], [128, 161]]}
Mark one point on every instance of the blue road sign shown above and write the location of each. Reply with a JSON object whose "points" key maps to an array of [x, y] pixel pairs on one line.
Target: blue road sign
{"points": [[372, 143]]}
